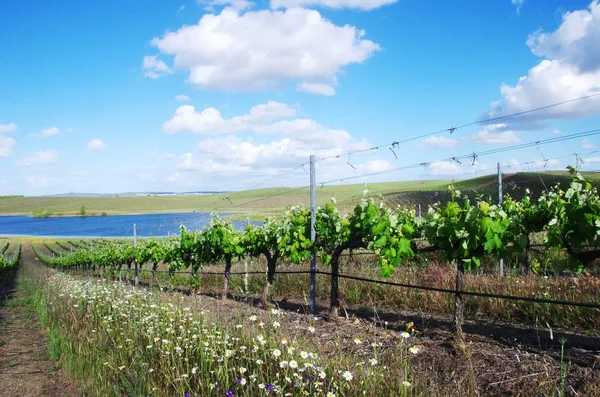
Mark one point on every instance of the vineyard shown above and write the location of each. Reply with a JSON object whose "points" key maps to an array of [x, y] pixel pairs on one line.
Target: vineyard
{"points": [[463, 231], [390, 280]]}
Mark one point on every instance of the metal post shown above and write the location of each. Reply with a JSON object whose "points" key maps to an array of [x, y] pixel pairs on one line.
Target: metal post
{"points": [[246, 263], [500, 202], [135, 264], [313, 218], [419, 211]]}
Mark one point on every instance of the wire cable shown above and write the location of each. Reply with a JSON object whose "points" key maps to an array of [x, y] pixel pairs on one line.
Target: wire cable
{"points": [[472, 156]]}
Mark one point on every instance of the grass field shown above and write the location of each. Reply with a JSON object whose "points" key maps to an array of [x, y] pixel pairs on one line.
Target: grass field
{"points": [[261, 202]]}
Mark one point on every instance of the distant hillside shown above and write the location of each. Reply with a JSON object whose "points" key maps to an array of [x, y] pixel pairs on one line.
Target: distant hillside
{"points": [[514, 185]]}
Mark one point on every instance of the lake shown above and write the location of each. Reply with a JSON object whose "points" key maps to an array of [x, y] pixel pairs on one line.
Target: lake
{"points": [[106, 226]]}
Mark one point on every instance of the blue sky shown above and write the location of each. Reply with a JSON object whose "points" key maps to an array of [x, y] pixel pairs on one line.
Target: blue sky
{"points": [[135, 96]]}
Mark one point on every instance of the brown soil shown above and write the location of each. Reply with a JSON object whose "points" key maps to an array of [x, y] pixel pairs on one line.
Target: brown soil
{"points": [[25, 367]]}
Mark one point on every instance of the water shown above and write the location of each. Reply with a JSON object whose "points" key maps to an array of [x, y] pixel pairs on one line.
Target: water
{"points": [[106, 226]]}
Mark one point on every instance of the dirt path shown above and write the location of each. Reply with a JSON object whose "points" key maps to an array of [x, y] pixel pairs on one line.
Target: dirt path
{"points": [[25, 366]]}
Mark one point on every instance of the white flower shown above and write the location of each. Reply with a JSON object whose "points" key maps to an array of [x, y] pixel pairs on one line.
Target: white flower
{"points": [[194, 370], [276, 325], [330, 394], [293, 364], [357, 341], [304, 355], [276, 352], [373, 361], [243, 370], [311, 328], [284, 341], [322, 375], [405, 383], [283, 364], [243, 381], [405, 335], [414, 350], [252, 318], [347, 375]]}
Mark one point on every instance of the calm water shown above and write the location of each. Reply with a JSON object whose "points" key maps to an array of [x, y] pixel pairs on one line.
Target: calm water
{"points": [[105, 226]]}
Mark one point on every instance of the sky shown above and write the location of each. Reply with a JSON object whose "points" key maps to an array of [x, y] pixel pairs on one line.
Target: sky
{"points": [[113, 96]]}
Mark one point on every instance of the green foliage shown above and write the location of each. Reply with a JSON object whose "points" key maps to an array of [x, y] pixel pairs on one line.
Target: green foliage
{"points": [[576, 222], [467, 232], [295, 235], [82, 210]]}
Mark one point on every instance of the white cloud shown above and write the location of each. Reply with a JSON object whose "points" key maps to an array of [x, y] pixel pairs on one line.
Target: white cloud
{"points": [[182, 97], [10, 127], [43, 157], [316, 88], [515, 165], [154, 67], [556, 131], [496, 134], [438, 141], [162, 156], [263, 49], [96, 144], [6, 145], [518, 4], [586, 144], [453, 168], [52, 131], [365, 5], [571, 70], [48, 132], [210, 121], [576, 41]]}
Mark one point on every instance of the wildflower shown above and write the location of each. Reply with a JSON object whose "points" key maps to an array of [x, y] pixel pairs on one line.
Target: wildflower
{"points": [[406, 384], [276, 352], [283, 364], [243, 370], [194, 370], [276, 324], [322, 375], [230, 393], [357, 341], [405, 335], [259, 362], [269, 387], [242, 381], [373, 361], [261, 324], [311, 328], [330, 394], [284, 341], [414, 350], [304, 355], [261, 339], [149, 347], [261, 386], [150, 370], [275, 312], [347, 375], [121, 368]]}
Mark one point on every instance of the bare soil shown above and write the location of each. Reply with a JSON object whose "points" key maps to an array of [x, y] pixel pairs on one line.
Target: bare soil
{"points": [[25, 366]]}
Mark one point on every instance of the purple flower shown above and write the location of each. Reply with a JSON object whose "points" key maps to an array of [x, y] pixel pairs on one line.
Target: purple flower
{"points": [[186, 394], [230, 393], [269, 387]]}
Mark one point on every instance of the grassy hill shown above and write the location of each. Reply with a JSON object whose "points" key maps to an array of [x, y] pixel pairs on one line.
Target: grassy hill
{"points": [[268, 201], [514, 185]]}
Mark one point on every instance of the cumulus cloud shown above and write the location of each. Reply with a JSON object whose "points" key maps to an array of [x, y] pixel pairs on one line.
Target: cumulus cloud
{"points": [[365, 5], [571, 70], [10, 127], [263, 49], [48, 132], [438, 141], [182, 97], [210, 121], [42, 157], [496, 134], [6, 145], [96, 144], [154, 67]]}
